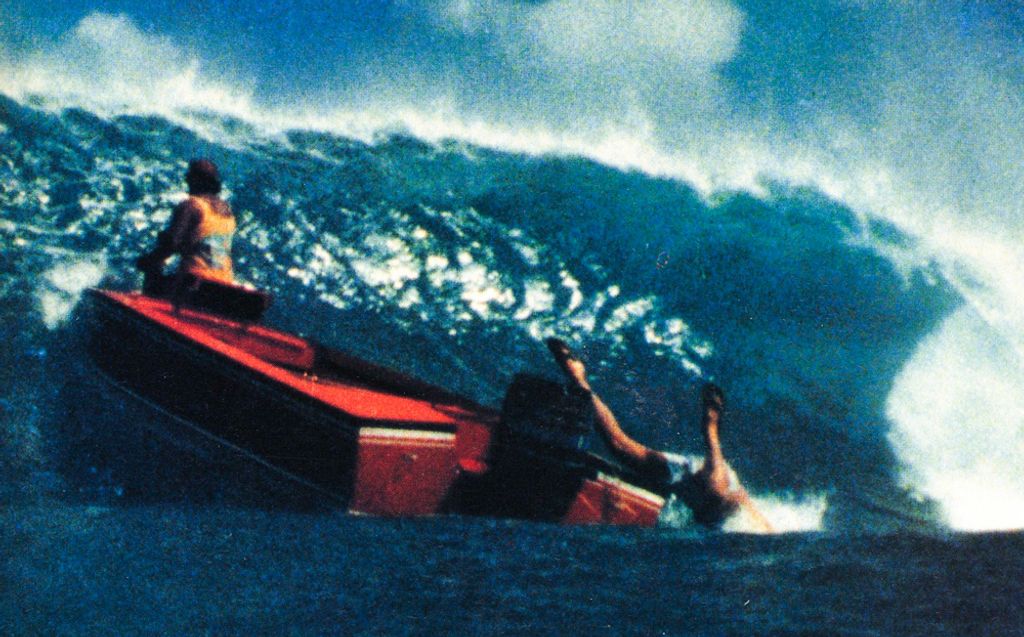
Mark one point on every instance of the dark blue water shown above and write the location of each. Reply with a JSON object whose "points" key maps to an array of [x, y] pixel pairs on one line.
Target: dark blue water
{"points": [[226, 571], [453, 262]]}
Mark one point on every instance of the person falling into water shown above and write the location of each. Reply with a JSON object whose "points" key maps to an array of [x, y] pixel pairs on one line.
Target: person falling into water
{"points": [[200, 231], [713, 491]]}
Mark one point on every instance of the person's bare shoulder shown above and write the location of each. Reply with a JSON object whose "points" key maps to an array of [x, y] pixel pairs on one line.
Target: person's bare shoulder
{"points": [[187, 208]]}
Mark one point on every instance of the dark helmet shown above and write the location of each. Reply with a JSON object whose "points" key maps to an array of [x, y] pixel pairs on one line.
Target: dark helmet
{"points": [[202, 177], [711, 395]]}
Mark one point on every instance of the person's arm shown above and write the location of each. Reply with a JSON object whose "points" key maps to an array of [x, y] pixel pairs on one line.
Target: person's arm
{"points": [[739, 496], [754, 514], [170, 240]]}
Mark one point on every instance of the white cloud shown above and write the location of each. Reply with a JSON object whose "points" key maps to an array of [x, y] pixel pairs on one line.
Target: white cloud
{"points": [[107, 61], [118, 45], [697, 35], [635, 47]]}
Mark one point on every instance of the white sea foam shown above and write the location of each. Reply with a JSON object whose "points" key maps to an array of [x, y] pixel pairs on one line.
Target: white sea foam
{"points": [[674, 337], [628, 313], [527, 252], [570, 283], [436, 263], [787, 512], [388, 264], [958, 424], [481, 288], [62, 288], [537, 298]]}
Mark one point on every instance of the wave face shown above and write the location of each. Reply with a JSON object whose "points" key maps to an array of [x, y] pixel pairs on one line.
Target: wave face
{"points": [[837, 259], [454, 262]]}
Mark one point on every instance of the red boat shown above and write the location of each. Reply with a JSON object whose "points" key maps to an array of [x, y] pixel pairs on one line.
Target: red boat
{"points": [[376, 440]]}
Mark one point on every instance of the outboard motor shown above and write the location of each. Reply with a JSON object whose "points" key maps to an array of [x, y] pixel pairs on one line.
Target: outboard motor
{"points": [[537, 461], [542, 414]]}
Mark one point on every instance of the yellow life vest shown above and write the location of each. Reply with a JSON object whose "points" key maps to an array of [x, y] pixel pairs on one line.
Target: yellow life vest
{"points": [[210, 256]]}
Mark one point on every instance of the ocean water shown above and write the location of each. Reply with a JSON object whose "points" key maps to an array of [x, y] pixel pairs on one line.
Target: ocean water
{"points": [[215, 570], [848, 274]]}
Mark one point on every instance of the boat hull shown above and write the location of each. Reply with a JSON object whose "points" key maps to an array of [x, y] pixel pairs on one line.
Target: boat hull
{"points": [[371, 439]]}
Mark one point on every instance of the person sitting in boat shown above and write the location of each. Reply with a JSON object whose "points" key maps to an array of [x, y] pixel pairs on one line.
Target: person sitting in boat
{"points": [[200, 231], [713, 491]]}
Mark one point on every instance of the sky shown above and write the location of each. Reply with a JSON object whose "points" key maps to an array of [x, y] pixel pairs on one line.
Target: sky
{"points": [[783, 55]]}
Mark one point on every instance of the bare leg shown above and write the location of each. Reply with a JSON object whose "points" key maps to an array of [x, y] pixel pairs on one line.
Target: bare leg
{"points": [[628, 450]]}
